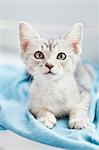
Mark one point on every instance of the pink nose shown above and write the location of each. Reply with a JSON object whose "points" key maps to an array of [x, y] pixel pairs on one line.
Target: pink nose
{"points": [[50, 66]]}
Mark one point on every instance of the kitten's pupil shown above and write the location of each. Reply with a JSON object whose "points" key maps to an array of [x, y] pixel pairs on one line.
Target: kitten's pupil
{"points": [[61, 56], [39, 55]]}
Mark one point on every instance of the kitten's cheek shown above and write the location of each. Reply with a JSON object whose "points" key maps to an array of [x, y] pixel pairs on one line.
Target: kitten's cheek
{"points": [[30, 69], [63, 65], [66, 65], [56, 70], [44, 69]]}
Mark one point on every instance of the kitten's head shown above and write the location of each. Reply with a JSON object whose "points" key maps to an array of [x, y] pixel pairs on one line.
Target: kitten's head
{"points": [[50, 58]]}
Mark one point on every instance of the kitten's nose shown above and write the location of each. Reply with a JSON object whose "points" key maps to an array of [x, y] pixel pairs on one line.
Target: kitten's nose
{"points": [[50, 66]]}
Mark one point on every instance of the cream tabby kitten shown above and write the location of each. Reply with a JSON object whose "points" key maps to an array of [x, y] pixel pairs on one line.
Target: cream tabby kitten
{"points": [[55, 91]]}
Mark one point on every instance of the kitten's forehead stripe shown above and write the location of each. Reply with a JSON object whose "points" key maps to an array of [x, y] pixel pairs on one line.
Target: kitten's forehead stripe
{"points": [[42, 47], [52, 44], [46, 44], [49, 44], [55, 45]]}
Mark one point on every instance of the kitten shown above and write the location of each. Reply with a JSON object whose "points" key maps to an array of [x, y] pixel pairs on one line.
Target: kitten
{"points": [[54, 92]]}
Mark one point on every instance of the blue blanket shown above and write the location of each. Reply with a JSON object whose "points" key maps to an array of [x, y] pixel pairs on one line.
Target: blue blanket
{"points": [[14, 114]]}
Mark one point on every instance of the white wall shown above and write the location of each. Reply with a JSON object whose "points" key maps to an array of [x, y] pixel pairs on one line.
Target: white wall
{"points": [[50, 18]]}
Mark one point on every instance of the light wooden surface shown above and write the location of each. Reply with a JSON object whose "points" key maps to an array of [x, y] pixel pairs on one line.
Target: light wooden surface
{"points": [[12, 141]]}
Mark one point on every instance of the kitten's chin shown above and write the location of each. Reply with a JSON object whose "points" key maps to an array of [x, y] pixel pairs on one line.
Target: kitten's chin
{"points": [[52, 76]]}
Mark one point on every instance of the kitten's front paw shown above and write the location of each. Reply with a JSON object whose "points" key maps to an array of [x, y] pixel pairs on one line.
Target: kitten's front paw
{"points": [[49, 121], [79, 123]]}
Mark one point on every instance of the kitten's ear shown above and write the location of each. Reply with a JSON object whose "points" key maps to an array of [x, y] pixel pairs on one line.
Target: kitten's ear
{"points": [[27, 35], [75, 36]]}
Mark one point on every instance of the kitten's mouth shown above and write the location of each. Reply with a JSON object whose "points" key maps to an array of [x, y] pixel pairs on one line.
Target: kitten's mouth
{"points": [[49, 72]]}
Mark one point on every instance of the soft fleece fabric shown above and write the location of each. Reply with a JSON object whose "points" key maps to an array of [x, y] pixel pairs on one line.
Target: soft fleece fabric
{"points": [[14, 114]]}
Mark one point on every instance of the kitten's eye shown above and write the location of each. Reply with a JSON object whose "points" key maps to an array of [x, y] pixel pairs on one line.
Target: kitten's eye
{"points": [[61, 56], [39, 55]]}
